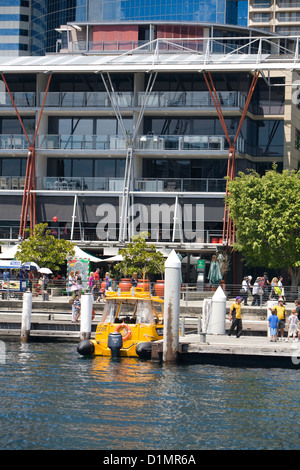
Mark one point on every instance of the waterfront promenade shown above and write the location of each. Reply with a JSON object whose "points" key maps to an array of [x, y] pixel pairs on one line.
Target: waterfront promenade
{"points": [[51, 321]]}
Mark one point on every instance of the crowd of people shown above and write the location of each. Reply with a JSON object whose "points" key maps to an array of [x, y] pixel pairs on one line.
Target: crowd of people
{"points": [[95, 286], [262, 289], [278, 320]]}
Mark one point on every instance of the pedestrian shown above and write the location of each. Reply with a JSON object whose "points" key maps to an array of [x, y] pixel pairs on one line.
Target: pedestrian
{"points": [[96, 276], [266, 284], [273, 324], [76, 309], [134, 280], [235, 315], [108, 281], [71, 282], [281, 313], [292, 325], [245, 289], [280, 286], [91, 283], [275, 290], [297, 307], [255, 292], [78, 281]]}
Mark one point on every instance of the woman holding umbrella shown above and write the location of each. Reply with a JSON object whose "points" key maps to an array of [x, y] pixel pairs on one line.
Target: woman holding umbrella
{"points": [[71, 283], [45, 280]]}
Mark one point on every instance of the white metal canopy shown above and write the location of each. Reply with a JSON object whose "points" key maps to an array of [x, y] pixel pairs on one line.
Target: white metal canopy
{"points": [[264, 53]]}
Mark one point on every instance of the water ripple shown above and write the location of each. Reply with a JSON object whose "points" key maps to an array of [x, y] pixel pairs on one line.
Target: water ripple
{"points": [[51, 398]]}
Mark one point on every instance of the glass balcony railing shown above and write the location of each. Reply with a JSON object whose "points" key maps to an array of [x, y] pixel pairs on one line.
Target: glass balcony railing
{"points": [[12, 182], [108, 142], [85, 99], [140, 184], [163, 99], [199, 99], [14, 141], [85, 142], [88, 233], [187, 142], [21, 99]]}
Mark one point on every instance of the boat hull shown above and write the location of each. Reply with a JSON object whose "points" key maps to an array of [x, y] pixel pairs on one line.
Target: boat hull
{"points": [[136, 340]]}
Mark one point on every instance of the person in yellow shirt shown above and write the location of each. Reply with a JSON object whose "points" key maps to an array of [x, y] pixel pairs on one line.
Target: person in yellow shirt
{"points": [[281, 314], [235, 314]]}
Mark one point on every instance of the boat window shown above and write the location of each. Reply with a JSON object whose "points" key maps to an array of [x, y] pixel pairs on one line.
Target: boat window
{"points": [[109, 312], [144, 313]]}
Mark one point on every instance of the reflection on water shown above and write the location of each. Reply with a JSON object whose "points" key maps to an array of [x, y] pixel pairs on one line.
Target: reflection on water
{"points": [[52, 398]]}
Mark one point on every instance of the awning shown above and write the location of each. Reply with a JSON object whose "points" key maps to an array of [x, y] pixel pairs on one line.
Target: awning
{"points": [[10, 253], [79, 253]]}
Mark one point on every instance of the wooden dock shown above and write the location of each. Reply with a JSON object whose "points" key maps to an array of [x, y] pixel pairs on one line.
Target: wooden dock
{"points": [[51, 321], [246, 351]]}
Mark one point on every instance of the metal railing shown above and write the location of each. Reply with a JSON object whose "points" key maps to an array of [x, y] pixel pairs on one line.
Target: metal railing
{"points": [[191, 294], [116, 184], [205, 143], [88, 234]]}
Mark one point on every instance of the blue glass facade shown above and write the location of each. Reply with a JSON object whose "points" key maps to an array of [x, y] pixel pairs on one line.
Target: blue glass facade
{"points": [[208, 11]]}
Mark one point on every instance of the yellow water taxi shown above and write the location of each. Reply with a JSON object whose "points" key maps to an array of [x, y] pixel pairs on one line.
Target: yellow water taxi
{"points": [[130, 322]]}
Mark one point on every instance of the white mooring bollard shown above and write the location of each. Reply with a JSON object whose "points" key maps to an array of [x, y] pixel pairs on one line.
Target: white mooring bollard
{"points": [[26, 317], [86, 316], [171, 307], [218, 313]]}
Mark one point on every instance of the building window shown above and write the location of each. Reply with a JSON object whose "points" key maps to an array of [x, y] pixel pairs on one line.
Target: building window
{"points": [[297, 139], [261, 4], [261, 17]]}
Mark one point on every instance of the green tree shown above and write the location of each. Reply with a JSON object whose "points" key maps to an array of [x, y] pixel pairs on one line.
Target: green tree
{"points": [[139, 257], [265, 210], [44, 249]]}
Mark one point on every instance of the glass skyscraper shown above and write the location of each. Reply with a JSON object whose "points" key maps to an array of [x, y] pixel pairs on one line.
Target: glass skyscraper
{"points": [[29, 27], [210, 11]]}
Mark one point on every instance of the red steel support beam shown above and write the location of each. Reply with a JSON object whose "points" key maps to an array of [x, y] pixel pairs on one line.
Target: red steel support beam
{"points": [[228, 225], [29, 197]]}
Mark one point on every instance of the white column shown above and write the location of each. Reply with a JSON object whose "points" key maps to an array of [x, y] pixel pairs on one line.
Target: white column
{"points": [[26, 316], [171, 307], [86, 316]]}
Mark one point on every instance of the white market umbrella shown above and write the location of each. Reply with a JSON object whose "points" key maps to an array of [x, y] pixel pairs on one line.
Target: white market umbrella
{"points": [[30, 265], [45, 271]]}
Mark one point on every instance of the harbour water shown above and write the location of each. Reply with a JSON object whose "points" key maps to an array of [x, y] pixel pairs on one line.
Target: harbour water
{"points": [[54, 399]]}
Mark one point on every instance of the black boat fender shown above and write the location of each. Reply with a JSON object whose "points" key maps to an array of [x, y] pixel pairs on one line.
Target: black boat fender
{"points": [[85, 347], [144, 349]]}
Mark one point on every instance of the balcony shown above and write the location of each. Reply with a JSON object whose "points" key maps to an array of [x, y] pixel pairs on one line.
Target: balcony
{"points": [[140, 184], [81, 142], [89, 234], [85, 99], [205, 143], [21, 99], [150, 142], [14, 141], [12, 182], [192, 99], [162, 99]]}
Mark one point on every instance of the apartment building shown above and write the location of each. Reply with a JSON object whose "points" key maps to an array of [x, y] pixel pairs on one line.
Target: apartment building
{"points": [[281, 17], [130, 140]]}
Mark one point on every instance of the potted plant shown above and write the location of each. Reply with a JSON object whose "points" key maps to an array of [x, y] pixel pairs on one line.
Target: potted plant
{"points": [[141, 258]]}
